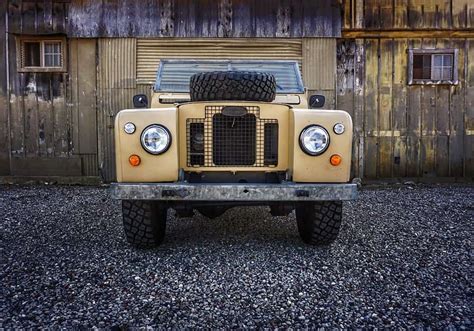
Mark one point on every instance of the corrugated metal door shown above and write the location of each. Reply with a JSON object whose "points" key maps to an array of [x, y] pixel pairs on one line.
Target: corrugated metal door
{"points": [[150, 51]]}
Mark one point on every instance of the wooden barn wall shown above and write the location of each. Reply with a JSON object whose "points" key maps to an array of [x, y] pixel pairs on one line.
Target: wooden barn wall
{"points": [[51, 115], [407, 15], [406, 130], [204, 18]]}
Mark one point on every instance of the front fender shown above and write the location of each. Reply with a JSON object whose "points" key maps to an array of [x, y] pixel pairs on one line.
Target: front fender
{"points": [[153, 168]]}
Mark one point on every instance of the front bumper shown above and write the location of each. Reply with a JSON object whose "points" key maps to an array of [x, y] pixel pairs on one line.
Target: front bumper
{"points": [[233, 192]]}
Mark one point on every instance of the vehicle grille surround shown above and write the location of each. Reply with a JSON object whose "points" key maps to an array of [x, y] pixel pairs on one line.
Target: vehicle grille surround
{"points": [[241, 141]]}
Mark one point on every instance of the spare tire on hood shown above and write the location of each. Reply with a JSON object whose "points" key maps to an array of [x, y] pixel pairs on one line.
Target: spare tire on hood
{"points": [[233, 85]]}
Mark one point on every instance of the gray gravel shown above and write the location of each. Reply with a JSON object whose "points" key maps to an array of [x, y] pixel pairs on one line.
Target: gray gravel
{"points": [[403, 259]]}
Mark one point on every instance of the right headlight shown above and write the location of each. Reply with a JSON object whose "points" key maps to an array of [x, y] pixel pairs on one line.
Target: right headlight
{"points": [[314, 140], [156, 139]]}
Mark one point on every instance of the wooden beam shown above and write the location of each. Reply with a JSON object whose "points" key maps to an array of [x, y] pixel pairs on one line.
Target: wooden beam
{"points": [[402, 33]]}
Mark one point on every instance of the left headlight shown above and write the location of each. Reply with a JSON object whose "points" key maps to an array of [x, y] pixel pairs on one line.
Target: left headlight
{"points": [[314, 140], [156, 139]]}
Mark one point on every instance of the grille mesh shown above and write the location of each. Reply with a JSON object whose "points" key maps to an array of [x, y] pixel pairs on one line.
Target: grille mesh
{"points": [[245, 141]]}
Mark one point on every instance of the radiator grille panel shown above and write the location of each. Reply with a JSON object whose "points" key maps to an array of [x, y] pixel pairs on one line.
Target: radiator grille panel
{"points": [[244, 141], [233, 140]]}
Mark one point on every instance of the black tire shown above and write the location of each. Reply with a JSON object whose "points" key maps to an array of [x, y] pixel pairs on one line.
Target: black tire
{"points": [[233, 85], [144, 222], [319, 222]]}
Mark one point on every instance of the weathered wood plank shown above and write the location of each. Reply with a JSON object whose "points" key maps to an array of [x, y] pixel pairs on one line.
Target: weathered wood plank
{"points": [[126, 15], [384, 108], [4, 104], [428, 122], [30, 102], [318, 18], [45, 114], [60, 17], [371, 14], [469, 116], [108, 19], [167, 19], [347, 14], [460, 15], [185, 16], [84, 18], [400, 14], [345, 75], [263, 9], [359, 107], [415, 14], [456, 116], [62, 131], [14, 16], [224, 25], [371, 106], [29, 21], [442, 129], [386, 13], [204, 18], [359, 14], [243, 21], [399, 110], [413, 124]]}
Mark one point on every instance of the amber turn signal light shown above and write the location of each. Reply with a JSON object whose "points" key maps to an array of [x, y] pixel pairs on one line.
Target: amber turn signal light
{"points": [[335, 160], [134, 160]]}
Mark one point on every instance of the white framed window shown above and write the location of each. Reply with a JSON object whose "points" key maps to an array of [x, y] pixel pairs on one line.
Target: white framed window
{"points": [[432, 66], [36, 54]]}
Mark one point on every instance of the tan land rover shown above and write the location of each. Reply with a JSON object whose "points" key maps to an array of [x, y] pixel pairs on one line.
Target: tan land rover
{"points": [[222, 134]]}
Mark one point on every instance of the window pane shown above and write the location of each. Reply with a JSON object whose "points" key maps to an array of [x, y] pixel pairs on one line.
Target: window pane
{"points": [[417, 66], [32, 54], [437, 73], [438, 60], [448, 60], [447, 73], [52, 54], [421, 66], [426, 66]]}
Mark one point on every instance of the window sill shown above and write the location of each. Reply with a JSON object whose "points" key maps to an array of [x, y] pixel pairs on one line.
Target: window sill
{"points": [[34, 69], [433, 82]]}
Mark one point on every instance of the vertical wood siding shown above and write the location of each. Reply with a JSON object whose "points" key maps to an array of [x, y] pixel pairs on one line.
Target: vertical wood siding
{"points": [[407, 14], [402, 130], [204, 18]]}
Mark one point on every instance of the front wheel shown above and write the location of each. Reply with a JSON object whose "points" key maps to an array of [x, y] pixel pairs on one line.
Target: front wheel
{"points": [[319, 222], [144, 222]]}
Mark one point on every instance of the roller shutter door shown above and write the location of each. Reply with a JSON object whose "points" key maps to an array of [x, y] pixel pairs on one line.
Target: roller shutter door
{"points": [[150, 51]]}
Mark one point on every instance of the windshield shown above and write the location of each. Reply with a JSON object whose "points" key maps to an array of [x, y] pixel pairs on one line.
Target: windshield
{"points": [[174, 75]]}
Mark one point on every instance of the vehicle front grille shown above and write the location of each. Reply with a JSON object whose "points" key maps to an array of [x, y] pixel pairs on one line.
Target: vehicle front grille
{"points": [[220, 140]]}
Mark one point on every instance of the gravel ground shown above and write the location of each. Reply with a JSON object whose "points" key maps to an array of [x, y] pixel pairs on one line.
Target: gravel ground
{"points": [[403, 258]]}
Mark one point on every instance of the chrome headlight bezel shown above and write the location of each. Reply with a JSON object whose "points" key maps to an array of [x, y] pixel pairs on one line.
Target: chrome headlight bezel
{"points": [[305, 131], [164, 130]]}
